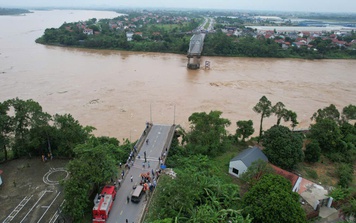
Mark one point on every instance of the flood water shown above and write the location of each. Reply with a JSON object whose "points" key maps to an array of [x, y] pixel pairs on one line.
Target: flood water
{"points": [[118, 91]]}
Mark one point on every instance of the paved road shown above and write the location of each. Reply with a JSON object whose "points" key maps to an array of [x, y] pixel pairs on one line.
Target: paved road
{"points": [[121, 209]]}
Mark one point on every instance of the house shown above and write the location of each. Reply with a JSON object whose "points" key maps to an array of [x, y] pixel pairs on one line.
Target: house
{"points": [[138, 33], [88, 31], [312, 195], [294, 179], [129, 36], [298, 44], [239, 164]]}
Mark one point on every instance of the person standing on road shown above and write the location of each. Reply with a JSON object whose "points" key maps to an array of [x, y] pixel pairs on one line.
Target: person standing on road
{"points": [[131, 178], [128, 199], [148, 164]]}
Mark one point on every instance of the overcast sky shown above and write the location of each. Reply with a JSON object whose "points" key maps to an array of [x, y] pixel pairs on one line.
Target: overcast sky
{"points": [[278, 5]]}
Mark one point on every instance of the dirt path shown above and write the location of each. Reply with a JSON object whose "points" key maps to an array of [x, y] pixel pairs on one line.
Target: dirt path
{"points": [[34, 184]]}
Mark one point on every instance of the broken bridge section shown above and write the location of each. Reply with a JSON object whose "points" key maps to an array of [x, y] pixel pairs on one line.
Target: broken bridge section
{"points": [[195, 49]]}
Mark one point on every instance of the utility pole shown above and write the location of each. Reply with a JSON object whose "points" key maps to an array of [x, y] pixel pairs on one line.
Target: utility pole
{"points": [[151, 113], [174, 115]]}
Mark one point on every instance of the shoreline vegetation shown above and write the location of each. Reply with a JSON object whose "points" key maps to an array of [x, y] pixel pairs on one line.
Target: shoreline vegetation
{"points": [[170, 32], [13, 11]]}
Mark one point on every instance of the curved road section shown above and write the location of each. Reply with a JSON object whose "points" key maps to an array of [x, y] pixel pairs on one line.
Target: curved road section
{"points": [[159, 138]]}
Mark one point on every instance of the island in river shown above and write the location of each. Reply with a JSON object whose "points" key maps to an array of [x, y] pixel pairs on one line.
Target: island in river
{"points": [[13, 11], [170, 32]]}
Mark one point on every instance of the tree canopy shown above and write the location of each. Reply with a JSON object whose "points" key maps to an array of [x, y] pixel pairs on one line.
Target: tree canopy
{"points": [[196, 194], [283, 147], [271, 200], [207, 132], [244, 129], [94, 165], [263, 107]]}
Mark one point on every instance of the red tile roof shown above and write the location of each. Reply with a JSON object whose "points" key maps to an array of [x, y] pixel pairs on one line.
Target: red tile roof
{"points": [[288, 175]]}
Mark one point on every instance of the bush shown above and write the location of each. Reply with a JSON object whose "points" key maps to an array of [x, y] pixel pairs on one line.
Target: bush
{"points": [[312, 152], [345, 173]]}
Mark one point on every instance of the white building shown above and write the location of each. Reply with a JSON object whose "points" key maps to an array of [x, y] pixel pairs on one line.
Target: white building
{"points": [[129, 36], [240, 163]]}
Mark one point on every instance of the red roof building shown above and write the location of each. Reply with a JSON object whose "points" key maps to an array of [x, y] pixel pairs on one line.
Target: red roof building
{"points": [[293, 178]]}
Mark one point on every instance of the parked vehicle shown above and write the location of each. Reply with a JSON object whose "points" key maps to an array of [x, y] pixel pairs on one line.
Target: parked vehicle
{"points": [[103, 203], [137, 194]]}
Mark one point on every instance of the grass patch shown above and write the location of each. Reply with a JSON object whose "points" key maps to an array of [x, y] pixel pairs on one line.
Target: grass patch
{"points": [[312, 174], [223, 161], [10, 155], [153, 211], [323, 171]]}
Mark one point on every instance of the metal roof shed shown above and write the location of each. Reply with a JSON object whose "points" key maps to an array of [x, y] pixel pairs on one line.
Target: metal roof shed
{"points": [[241, 162]]}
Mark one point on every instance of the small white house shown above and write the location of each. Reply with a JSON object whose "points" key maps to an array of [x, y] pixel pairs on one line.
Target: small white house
{"points": [[129, 36], [88, 31], [240, 163]]}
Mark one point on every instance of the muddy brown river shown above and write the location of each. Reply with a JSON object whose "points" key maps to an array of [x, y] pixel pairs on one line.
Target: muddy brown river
{"points": [[117, 91]]}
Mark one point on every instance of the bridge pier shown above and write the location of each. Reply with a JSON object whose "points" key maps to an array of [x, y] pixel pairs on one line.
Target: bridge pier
{"points": [[195, 49], [193, 62]]}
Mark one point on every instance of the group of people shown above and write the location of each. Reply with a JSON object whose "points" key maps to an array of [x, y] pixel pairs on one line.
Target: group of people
{"points": [[148, 182], [48, 157]]}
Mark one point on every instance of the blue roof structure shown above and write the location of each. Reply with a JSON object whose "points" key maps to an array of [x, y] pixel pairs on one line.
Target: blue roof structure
{"points": [[250, 155]]}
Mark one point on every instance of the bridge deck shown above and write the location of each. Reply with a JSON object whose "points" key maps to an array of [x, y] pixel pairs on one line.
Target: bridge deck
{"points": [[196, 44]]}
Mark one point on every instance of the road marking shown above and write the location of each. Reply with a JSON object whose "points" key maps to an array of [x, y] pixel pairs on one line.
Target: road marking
{"points": [[46, 179], [56, 214], [49, 206], [17, 209], [121, 212], [42, 194]]}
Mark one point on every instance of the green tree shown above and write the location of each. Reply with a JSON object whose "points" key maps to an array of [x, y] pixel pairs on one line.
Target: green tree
{"points": [[5, 127], [263, 107], [28, 116], [349, 209], [92, 167], [244, 129], [205, 198], [76, 196], [272, 200], [255, 172], [288, 115], [283, 147], [68, 134], [293, 118], [329, 112], [280, 111], [312, 152], [349, 112], [345, 173], [327, 133], [208, 132]]}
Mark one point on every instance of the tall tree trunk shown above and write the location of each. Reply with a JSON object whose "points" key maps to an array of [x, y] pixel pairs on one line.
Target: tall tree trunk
{"points": [[5, 153], [259, 138]]}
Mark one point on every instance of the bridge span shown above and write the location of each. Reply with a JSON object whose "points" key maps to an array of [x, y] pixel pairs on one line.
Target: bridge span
{"points": [[195, 48]]}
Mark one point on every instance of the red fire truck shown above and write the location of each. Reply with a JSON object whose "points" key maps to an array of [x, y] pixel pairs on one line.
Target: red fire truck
{"points": [[103, 204]]}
